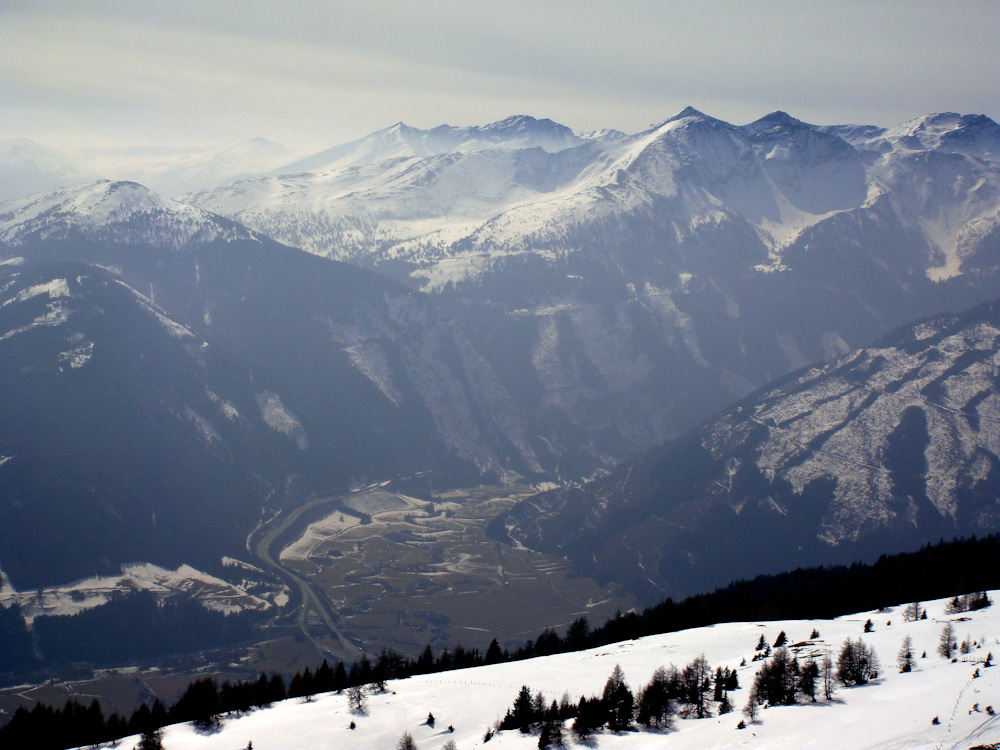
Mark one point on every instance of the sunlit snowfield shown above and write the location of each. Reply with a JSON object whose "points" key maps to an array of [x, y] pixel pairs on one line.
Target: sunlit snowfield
{"points": [[894, 711]]}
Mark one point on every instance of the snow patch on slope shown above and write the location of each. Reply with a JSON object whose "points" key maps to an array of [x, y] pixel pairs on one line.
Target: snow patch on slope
{"points": [[211, 592], [123, 212], [54, 289], [827, 427], [277, 416]]}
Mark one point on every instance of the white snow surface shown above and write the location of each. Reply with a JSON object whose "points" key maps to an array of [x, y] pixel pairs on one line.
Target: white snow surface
{"points": [[277, 416], [69, 599], [118, 211], [54, 289], [894, 711], [453, 207]]}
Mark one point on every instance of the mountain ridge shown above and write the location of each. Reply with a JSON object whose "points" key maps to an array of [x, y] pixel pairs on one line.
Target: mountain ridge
{"points": [[883, 449]]}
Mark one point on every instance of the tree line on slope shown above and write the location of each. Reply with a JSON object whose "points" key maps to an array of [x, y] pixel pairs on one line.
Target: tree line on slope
{"points": [[782, 680], [619, 709], [935, 571]]}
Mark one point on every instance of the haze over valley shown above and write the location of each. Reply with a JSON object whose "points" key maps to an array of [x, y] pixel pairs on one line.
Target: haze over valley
{"points": [[419, 397]]}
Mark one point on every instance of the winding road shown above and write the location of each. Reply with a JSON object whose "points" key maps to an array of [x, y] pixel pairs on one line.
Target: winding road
{"points": [[310, 598]]}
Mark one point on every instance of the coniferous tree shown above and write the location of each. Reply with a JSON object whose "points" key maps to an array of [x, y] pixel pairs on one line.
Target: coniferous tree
{"points": [[946, 643], [591, 715], [857, 663], [276, 689], [754, 702], [522, 714], [618, 701], [425, 662], [406, 742], [696, 681], [578, 634], [720, 684], [777, 680], [545, 737], [493, 654], [339, 677], [725, 706], [151, 739], [905, 656], [808, 679]]}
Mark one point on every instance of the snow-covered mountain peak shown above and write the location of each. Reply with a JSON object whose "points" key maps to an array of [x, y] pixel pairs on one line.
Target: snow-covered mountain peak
{"points": [[604, 135], [120, 211], [774, 121], [973, 135], [688, 111], [690, 116], [528, 124], [923, 132], [403, 141]]}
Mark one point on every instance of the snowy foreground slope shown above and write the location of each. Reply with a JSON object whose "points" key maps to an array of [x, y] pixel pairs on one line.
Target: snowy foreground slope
{"points": [[894, 711]]}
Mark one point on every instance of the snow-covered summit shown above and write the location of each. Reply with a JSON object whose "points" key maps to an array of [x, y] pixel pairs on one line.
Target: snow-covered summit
{"points": [[603, 135], [123, 212], [774, 120], [429, 197], [402, 141], [976, 136]]}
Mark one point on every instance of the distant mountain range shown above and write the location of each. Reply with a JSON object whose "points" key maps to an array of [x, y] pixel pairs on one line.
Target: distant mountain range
{"points": [[880, 450], [556, 304], [633, 285], [176, 170], [27, 167]]}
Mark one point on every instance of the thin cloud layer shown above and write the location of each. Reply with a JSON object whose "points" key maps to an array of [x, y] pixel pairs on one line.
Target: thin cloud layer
{"points": [[311, 74]]}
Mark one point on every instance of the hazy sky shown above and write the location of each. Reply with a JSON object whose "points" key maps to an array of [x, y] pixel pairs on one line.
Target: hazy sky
{"points": [[314, 74]]}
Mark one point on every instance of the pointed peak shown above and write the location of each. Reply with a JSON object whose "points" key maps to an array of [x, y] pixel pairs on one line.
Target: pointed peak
{"points": [[780, 117], [524, 122], [688, 112], [777, 119]]}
